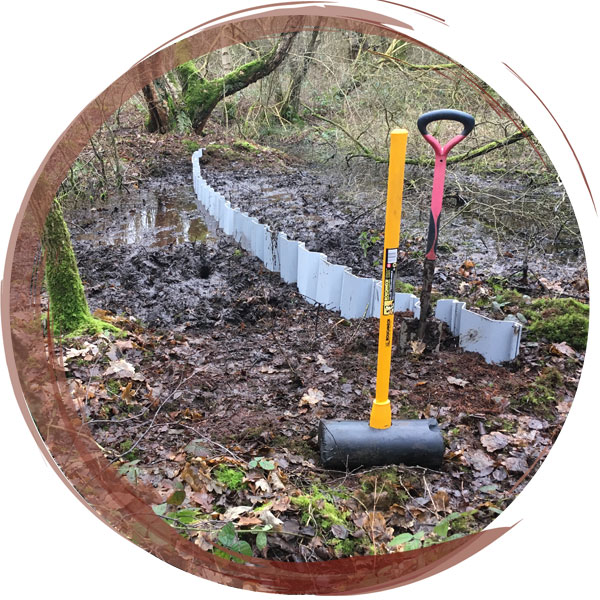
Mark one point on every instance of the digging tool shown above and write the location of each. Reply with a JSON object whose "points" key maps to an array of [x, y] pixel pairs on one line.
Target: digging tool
{"points": [[381, 441], [439, 175]]}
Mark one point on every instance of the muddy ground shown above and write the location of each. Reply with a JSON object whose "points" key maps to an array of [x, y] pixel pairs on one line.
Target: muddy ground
{"points": [[341, 213], [215, 394]]}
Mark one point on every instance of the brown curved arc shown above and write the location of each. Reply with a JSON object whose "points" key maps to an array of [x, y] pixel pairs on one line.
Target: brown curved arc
{"points": [[237, 13], [417, 10], [40, 382]]}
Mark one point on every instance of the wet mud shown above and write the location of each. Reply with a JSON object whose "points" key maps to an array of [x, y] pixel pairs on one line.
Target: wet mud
{"points": [[248, 368]]}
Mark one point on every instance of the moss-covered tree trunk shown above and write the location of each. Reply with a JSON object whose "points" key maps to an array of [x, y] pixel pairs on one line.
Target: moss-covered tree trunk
{"points": [[201, 96], [69, 311]]}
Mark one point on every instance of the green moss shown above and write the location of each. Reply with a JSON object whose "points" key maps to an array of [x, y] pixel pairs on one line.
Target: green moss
{"points": [[124, 448], [113, 386], [385, 481], [404, 288], [465, 523], [200, 96], [408, 412], [245, 146], [559, 320], [345, 547], [69, 311], [295, 445], [319, 505], [508, 426], [191, 145], [509, 296], [446, 248], [543, 390], [550, 377], [196, 91], [232, 478]]}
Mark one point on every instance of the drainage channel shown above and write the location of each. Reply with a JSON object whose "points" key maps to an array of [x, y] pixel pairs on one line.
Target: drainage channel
{"points": [[335, 286]]}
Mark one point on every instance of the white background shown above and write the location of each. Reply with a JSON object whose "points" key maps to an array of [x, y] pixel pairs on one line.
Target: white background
{"points": [[57, 56]]}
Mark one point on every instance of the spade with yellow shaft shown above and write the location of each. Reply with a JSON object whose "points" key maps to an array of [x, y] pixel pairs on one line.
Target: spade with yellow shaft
{"points": [[383, 441]]}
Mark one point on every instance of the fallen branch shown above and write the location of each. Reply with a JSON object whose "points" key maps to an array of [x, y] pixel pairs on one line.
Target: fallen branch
{"points": [[511, 139], [427, 162], [475, 152]]}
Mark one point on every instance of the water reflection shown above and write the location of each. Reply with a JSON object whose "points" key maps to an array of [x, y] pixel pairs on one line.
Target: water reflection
{"points": [[151, 218]]}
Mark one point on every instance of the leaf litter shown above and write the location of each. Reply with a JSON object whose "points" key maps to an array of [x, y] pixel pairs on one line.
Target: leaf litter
{"points": [[214, 398]]}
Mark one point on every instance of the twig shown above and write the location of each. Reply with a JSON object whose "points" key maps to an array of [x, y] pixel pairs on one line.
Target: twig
{"points": [[206, 438], [437, 516], [316, 325], [117, 422], [364, 212], [154, 417], [358, 326], [541, 455], [285, 356], [456, 214], [367, 152]]}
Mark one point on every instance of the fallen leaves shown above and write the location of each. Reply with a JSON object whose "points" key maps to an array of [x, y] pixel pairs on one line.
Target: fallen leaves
{"points": [[374, 524], [121, 369], [268, 518], [88, 351], [281, 504], [249, 521], [441, 501], [311, 397], [563, 349], [221, 415], [275, 481], [494, 441], [339, 532], [467, 268], [516, 464], [234, 512], [417, 346], [480, 462]]}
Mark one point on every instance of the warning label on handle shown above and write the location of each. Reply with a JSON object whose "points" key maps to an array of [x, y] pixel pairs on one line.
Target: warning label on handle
{"points": [[389, 280]]}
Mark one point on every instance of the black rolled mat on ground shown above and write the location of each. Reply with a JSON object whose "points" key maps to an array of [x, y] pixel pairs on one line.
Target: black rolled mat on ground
{"points": [[351, 444]]}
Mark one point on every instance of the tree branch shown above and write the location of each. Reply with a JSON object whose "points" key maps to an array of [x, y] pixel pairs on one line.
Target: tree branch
{"points": [[367, 153], [440, 67], [475, 152]]}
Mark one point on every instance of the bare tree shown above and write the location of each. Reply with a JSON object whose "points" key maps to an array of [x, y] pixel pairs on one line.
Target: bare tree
{"points": [[300, 67], [158, 119]]}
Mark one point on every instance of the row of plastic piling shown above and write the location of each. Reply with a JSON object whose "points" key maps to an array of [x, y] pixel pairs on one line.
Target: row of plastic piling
{"points": [[335, 286], [321, 282]]}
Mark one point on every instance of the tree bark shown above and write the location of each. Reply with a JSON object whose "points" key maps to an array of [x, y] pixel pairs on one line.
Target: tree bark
{"points": [[69, 309], [201, 96], [291, 106], [158, 117]]}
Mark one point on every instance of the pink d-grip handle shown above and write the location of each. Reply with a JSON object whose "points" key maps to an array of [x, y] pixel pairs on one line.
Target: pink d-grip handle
{"points": [[439, 172]]}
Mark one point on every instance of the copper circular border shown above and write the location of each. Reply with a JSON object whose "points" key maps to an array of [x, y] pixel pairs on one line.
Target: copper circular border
{"points": [[40, 385]]}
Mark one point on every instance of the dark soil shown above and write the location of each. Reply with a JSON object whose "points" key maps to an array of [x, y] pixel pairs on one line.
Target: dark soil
{"points": [[223, 363], [341, 213]]}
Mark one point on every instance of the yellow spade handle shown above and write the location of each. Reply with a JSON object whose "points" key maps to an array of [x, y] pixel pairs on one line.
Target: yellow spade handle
{"points": [[381, 410]]}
